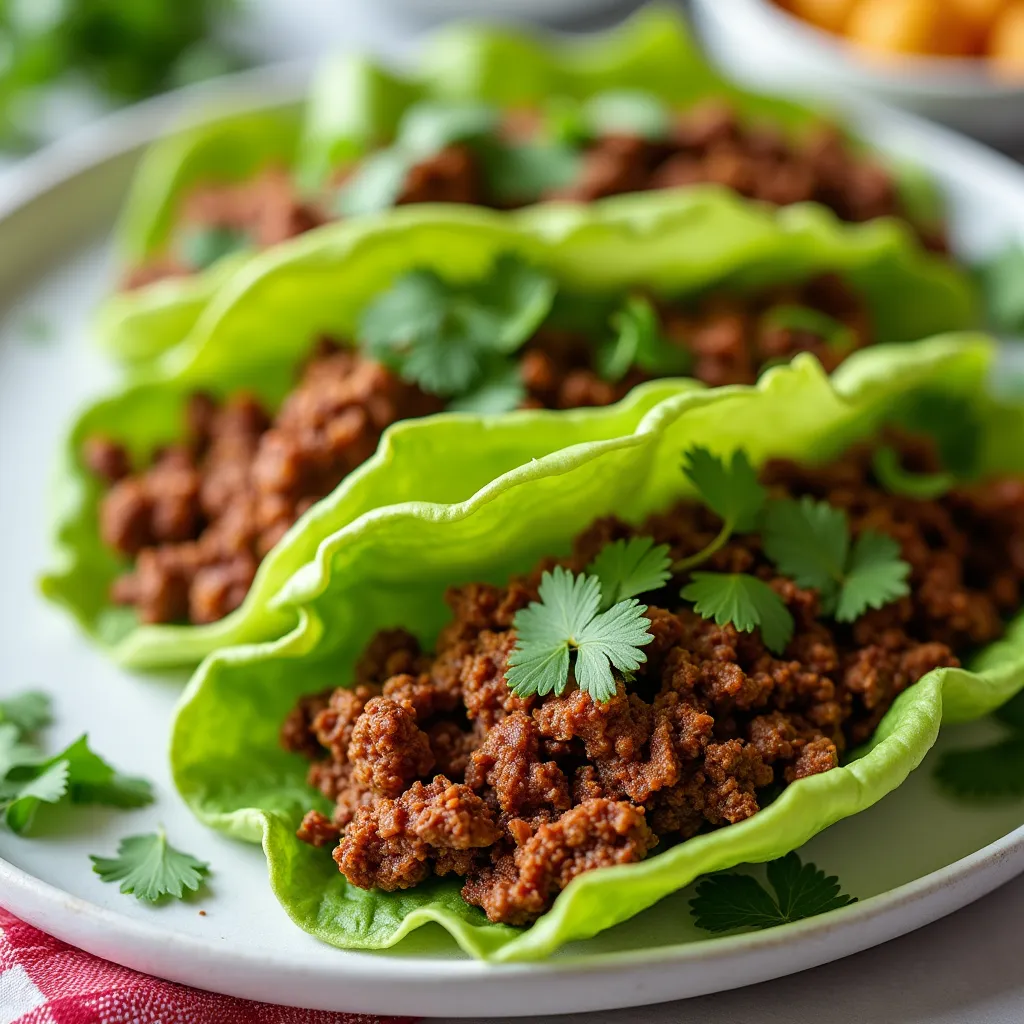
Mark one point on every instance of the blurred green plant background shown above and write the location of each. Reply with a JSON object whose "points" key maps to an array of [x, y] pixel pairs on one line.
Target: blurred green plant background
{"points": [[101, 54]]}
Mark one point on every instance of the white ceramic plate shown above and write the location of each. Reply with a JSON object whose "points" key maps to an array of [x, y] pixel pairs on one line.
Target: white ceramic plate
{"points": [[912, 859]]}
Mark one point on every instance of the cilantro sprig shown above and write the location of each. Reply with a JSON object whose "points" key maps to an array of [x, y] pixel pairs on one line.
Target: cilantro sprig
{"points": [[149, 868], [731, 901], [566, 631], [891, 474], [455, 339], [993, 772], [77, 774], [638, 341], [730, 489], [807, 320], [810, 542], [744, 601], [625, 568]]}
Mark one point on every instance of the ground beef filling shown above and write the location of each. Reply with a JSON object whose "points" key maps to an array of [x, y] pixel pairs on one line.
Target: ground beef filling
{"points": [[199, 519], [435, 768], [708, 144]]}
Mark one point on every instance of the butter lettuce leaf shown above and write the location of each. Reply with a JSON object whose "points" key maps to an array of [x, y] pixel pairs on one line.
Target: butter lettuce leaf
{"points": [[356, 105], [261, 325], [391, 567]]}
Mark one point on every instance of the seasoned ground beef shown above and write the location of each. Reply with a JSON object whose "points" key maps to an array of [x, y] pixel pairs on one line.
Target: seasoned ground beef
{"points": [[708, 144], [198, 521], [262, 212], [200, 518], [518, 796]]}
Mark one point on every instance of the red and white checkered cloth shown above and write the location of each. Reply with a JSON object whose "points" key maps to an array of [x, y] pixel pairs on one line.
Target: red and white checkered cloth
{"points": [[46, 981]]}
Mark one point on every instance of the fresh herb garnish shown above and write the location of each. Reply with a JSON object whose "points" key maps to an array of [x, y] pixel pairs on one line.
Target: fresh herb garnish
{"points": [[567, 619], [994, 772], [889, 472], [625, 568], [500, 390], [521, 173], [149, 868], [375, 184], [425, 130], [447, 337], [833, 332], [730, 901], [201, 247], [952, 421], [743, 601], [809, 541], [638, 341], [77, 773], [27, 712], [731, 490]]}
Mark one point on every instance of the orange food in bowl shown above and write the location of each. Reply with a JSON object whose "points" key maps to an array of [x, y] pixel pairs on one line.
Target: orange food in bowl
{"points": [[830, 15], [893, 27], [1006, 46], [992, 29]]}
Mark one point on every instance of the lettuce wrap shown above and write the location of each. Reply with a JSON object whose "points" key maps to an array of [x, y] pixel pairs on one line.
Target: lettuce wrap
{"points": [[390, 568], [356, 105], [265, 320]]}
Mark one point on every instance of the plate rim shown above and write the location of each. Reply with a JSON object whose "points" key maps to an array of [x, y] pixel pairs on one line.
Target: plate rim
{"points": [[208, 964]]}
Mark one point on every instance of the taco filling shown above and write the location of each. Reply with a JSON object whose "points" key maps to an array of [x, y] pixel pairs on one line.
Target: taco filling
{"points": [[559, 725], [472, 153], [198, 520]]}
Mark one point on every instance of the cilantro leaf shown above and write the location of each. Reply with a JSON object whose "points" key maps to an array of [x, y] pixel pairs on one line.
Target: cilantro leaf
{"points": [[638, 341], [731, 491], [626, 568], [443, 336], [14, 753], [994, 772], [517, 297], [833, 332], [27, 712], [375, 184], [809, 541], [1012, 712], [729, 901], [952, 421], [1000, 279], [613, 638], [500, 390], [428, 127], [567, 619], [628, 112], [151, 869], [522, 173], [20, 800], [78, 773], [875, 575], [889, 472], [744, 601], [203, 245]]}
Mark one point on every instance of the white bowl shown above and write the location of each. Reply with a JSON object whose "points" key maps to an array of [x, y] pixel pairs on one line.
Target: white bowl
{"points": [[761, 44]]}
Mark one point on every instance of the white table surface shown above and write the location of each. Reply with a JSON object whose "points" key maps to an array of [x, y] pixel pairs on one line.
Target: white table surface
{"points": [[965, 969]]}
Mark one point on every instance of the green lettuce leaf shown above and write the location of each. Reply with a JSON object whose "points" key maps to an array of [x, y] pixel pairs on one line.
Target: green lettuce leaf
{"points": [[355, 105], [391, 567], [264, 319]]}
